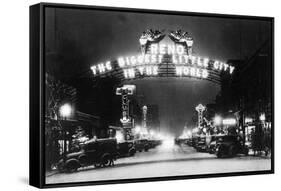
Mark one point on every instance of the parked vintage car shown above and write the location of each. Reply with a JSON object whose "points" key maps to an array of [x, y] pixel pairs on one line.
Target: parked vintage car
{"points": [[194, 140], [152, 143], [142, 145], [189, 141], [97, 152], [229, 146], [126, 148], [212, 146], [212, 143], [180, 141], [201, 144]]}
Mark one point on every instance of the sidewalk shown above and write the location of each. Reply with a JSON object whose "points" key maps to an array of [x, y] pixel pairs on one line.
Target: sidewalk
{"points": [[51, 173]]}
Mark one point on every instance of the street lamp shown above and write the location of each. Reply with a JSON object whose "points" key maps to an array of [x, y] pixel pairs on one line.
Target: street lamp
{"points": [[151, 133], [248, 120], [217, 120], [137, 129], [65, 110], [119, 136], [262, 117]]}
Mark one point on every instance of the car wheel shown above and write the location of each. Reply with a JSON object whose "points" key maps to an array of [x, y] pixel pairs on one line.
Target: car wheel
{"points": [[231, 151], [72, 166], [246, 151], [61, 166], [106, 160], [219, 152], [132, 152], [83, 160]]}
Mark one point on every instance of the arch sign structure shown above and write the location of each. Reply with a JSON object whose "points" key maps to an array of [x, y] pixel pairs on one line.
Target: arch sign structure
{"points": [[158, 59]]}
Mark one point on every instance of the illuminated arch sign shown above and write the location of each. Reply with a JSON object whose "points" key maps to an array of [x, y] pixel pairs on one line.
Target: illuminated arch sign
{"points": [[159, 59]]}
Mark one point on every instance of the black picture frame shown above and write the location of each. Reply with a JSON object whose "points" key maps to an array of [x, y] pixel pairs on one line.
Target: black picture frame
{"points": [[37, 94]]}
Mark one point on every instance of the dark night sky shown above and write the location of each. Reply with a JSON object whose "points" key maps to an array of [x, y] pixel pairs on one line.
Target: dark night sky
{"points": [[82, 38]]}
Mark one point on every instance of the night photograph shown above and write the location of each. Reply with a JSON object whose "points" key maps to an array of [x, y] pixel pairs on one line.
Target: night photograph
{"points": [[131, 95]]}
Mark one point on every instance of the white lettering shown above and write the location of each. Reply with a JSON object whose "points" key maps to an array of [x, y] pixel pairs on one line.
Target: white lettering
{"points": [[174, 59], [231, 69], [108, 65], [204, 74], [171, 49], [94, 69], [121, 62], [162, 49], [148, 71], [221, 66], [180, 49], [216, 65], [140, 59], [153, 59], [186, 71], [133, 60], [129, 73], [206, 62], [141, 70], [192, 71], [146, 58], [101, 68], [225, 66], [155, 70], [160, 57], [179, 71], [153, 48]]}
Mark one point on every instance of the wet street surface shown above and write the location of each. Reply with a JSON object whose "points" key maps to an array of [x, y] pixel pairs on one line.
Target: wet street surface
{"points": [[166, 160]]}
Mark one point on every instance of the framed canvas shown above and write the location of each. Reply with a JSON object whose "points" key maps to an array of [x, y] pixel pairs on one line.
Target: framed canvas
{"points": [[123, 95]]}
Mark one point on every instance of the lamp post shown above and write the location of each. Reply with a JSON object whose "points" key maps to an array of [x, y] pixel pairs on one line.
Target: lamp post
{"points": [[65, 111]]}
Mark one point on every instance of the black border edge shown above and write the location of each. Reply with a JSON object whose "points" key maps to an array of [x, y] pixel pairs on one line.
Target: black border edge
{"points": [[273, 96], [35, 138], [37, 85], [153, 11], [157, 179]]}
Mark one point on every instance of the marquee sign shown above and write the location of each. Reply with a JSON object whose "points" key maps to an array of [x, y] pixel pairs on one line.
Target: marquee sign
{"points": [[125, 91], [158, 59]]}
